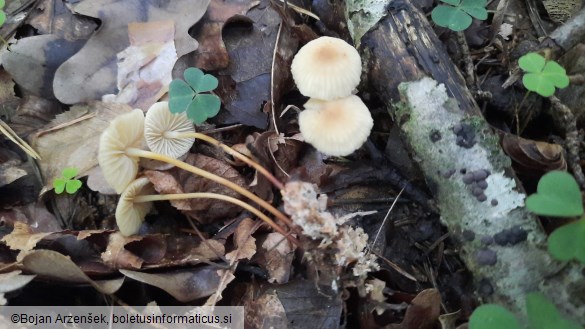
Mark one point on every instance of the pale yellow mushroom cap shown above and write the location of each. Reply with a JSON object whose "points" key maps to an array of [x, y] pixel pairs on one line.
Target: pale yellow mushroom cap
{"points": [[337, 127], [161, 127], [327, 68], [130, 215], [125, 131]]}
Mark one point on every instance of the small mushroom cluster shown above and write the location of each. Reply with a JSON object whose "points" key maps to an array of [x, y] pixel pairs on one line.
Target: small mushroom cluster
{"points": [[334, 121], [168, 136]]}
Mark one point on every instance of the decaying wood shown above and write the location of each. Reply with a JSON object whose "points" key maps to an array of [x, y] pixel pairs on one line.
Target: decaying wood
{"points": [[450, 139]]}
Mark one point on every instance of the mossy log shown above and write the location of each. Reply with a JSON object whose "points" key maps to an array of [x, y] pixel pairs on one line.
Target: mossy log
{"points": [[502, 244]]}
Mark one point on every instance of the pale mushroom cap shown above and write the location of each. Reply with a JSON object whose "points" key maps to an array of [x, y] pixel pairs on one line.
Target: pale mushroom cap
{"points": [[159, 127], [125, 131], [337, 127], [130, 215], [327, 68]]}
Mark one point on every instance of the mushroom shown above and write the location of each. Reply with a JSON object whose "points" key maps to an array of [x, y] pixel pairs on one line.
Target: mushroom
{"points": [[327, 68], [137, 198], [337, 127], [119, 153], [161, 128], [171, 134]]}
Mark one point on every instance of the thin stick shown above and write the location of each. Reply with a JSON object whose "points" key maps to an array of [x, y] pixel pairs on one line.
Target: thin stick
{"points": [[6, 130], [134, 152], [235, 154], [205, 195]]}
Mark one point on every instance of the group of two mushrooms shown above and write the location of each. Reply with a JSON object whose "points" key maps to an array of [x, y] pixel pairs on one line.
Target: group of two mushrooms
{"points": [[334, 121]]}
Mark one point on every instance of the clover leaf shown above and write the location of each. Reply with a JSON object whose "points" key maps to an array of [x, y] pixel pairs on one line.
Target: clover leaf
{"points": [[2, 13], [557, 195], [490, 316], [66, 182], [568, 242], [192, 95], [457, 15], [543, 76], [542, 314]]}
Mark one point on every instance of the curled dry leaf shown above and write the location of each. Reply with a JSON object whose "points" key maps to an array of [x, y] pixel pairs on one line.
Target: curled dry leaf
{"points": [[50, 264], [533, 157], [166, 183], [244, 243], [423, 312], [265, 311], [22, 238], [183, 285], [34, 215], [92, 72], [117, 256]]}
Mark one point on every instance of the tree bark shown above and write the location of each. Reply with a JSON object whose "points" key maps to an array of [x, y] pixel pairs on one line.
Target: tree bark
{"points": [[448, 136]]}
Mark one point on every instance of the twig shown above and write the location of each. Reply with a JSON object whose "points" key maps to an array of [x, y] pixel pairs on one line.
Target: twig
{"points": [[572, 140], [469, 69]]}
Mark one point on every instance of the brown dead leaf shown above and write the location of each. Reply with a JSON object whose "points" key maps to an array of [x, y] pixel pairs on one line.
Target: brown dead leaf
{"points": [[244, 242], [166, 183], [75, 144], [208, 210], [212, 54], [53, 265], [8, 99], [423, 312], [117, 256], [183, 285], [144, 68], [53, 17], [33, 113], [91, 72], [278, 256], [33, 61], [21, 238], [265, 311]]}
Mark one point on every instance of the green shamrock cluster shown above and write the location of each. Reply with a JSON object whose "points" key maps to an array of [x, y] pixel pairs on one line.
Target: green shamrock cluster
{"points": [[192, 95], [457, 14], [542, 76], [66, 182]]}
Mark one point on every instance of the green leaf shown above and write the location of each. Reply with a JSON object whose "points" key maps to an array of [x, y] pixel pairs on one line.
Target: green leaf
{"points": [[556, 74], [490, 316], [557, 195], [59, 185], [475, 8], [210, 104], [180, 95], [451, 17], [2, 3], [542, 314], [195, 112], [200, 82], [539, 84], [193, 76], [568, 242], [72, 186], [2, 17], [69, 173], [532, 63], [543, 76]]}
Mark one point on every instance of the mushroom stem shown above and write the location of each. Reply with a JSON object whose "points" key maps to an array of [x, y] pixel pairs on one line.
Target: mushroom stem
{"points": [[134, 152], [203, 195], [233, 153]]}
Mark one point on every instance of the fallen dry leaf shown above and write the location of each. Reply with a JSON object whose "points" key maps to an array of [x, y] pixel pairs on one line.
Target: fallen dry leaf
{"points": [[13, 281], [533, 157], [117, 256], [92, 72], [265, 311], [183, 285], [423, 312], [56, 19], [53, 265], [21, 238], [33, 61], [277, 257], [144, 68], [33, 113], [76, 144], [244, 242], [166, 183]]}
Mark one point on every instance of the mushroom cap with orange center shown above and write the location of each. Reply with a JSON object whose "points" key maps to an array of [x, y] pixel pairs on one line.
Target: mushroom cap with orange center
{"points": [[125, 131], [130, 215], [337, 127], [327, 68]]}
